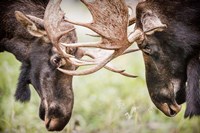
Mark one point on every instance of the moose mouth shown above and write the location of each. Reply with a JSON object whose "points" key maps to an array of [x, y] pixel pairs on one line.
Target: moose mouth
{"points": [[170, 109], [174, 97], [54, 115], [56, 124]]}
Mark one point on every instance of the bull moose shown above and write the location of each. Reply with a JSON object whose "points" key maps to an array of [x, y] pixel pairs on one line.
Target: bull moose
{"points": [[33, 31], [30, 42], [172, 56]]}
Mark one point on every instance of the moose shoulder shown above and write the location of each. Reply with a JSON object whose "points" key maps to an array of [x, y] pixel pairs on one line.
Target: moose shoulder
{"points": [[172, 56], [28, 40]]}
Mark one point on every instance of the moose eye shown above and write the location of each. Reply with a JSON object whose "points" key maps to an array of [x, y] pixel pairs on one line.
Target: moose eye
{"points": [[56, 60], [147, 49]]}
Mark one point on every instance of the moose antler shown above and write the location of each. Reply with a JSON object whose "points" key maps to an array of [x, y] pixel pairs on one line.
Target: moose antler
{"points": [[110, 22]]}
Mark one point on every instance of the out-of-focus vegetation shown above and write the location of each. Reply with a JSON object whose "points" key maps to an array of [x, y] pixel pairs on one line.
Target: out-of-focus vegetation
{"points": [[104, 102]]}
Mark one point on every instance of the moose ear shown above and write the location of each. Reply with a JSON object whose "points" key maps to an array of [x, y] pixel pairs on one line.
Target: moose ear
{"points": [[151, 23], [29, 25]]}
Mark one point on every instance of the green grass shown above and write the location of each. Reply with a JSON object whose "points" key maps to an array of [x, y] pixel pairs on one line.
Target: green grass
{"points": [[104, 103]]}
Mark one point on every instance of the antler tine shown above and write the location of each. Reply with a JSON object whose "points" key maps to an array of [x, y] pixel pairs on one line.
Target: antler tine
{"points": [[78, 62], [87, 25], [87, 44], [137, 36], [36, 20], [93, 35], [90, 70], [122, 72], [130, 51]]}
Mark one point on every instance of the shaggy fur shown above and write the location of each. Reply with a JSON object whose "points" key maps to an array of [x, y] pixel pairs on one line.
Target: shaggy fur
{"points": [[15, 39], [23, 92], [193, 90]]}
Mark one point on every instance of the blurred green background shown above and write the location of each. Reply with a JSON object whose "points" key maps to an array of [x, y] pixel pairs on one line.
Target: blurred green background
{"points": [[105, 102]]}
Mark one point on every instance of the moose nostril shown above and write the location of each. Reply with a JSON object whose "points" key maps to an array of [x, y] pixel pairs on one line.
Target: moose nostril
{"points": [[47, 123], [55, 124], [174, 109], [41, 112], [172, 112], [170, 109]]}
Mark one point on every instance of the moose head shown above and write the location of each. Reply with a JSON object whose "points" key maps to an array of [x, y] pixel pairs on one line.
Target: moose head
{"points": [[34, 42], [40, 67], [168, 55]]}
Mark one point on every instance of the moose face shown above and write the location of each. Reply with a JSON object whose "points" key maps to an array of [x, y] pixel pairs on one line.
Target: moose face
{"points": [[165, 72], [40, 70], [53, 87]]}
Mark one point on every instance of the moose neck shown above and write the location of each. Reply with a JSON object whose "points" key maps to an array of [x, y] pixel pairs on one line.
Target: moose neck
{"points": [[19, 47]]}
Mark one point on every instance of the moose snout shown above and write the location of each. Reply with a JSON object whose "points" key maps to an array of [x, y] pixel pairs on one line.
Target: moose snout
{"points": [[55, 116], [56, 124], [170, 109]]}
